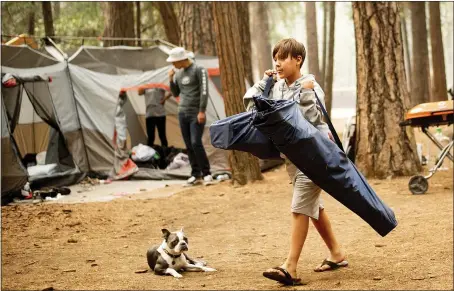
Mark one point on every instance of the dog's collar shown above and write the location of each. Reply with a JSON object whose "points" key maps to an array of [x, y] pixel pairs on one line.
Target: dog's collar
{"points": [[169, 254]]}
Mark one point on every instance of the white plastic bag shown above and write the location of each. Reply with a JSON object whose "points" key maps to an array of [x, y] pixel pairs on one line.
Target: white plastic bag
{"points": [[142, 153], [179, 161]]}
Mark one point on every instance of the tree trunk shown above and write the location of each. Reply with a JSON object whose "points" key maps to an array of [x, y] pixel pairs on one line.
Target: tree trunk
{"points": [[48, 20], [31, 20], [420, 80], [439, 87], [325, 43], [138, 22], [170, 21], [56, 5], [260, 36], [245, 167], [384, 148], [407, 52], [243, 19], [119, 22], [312, 42], [330, 62], [197, 33]]}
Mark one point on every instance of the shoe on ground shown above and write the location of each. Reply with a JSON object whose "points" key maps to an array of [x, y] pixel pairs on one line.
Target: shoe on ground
{"points": [[192, 180], [208, 179]]}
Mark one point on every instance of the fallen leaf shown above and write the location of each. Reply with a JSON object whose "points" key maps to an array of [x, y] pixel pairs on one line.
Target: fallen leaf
{"points": [[379, 245], [418, 278], [90, 261], [67, 210], [205, 212], [48, 289], [72, 240], [141, 271], [94, 265], [377, 278], [69, 271]]}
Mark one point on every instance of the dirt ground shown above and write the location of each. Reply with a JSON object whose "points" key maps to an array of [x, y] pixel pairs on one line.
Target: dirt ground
{"points": [[239, 231]]}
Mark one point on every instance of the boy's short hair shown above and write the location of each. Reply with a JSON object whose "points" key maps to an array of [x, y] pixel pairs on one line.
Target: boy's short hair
{"points": [[289, 46]]}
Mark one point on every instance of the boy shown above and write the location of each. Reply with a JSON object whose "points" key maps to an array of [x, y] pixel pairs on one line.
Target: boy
{"points": [[191, 84], [155, 114], [289, 56]]}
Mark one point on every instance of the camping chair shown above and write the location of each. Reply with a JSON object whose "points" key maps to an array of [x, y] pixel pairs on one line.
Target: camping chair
{"points": [[423, 116]]}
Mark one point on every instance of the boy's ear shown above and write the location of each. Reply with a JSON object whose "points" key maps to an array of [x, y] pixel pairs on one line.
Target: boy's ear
{"points": [[299, 60]]}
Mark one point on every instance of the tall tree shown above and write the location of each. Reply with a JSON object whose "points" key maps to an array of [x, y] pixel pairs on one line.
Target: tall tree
{"points": [[328, 86], [245, 167], [170, 21], [119, 22], [138, 22], [324, 42], [312, 42], [420, 79], [260, 36], [439, 87], [31, 19], [243, 13], [383, 147], [48, 19], [196, 26], [407, 53]]}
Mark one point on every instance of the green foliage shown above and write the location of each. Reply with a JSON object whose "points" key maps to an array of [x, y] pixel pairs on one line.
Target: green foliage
{"points": [[15, 16]]}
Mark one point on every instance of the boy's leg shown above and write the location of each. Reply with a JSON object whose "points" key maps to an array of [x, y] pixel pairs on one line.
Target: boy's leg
{"points": [[323, 227]]}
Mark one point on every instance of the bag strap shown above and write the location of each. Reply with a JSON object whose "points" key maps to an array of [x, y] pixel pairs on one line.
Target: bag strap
{"points": [[330, 124], [269, 82]]}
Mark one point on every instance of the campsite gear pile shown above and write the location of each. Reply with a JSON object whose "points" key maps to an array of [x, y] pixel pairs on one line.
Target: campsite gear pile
{"points": [[323, 161], [424, 116]]}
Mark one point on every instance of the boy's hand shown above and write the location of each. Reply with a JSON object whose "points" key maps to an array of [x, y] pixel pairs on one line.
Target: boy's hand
{"points": [[331, 136], [308, 84], [269, 73]]}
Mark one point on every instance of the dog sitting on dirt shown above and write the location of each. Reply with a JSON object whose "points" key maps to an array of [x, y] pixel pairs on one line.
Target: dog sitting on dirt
{"points": [[170, 257]]}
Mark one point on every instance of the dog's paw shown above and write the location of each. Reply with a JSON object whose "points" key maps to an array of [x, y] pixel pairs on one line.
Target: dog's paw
{"points": [[200, 263], [208, 269], [178, 276]]}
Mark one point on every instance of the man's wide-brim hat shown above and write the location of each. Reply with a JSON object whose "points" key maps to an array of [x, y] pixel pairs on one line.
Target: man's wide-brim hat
{"points": [[177, 54]]}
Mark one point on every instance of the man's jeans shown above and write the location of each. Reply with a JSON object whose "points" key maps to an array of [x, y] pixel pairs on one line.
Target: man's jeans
{"points": [[192, 133]]}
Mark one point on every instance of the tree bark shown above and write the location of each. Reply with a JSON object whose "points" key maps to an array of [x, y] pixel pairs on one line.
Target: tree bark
{"points": [[330, 62], [197, 32], [245, 167], [119, 22], [48, 20], [260, 36], [31, 20], [420, 92], [245, 34], [312, 42], [170, 21], [138, 22], [326, 7], [407, 52], [439, 87], [384, 148]]}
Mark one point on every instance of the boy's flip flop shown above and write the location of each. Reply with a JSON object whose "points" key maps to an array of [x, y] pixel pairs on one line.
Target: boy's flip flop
{"points": [[285, 279], [332, 265]]}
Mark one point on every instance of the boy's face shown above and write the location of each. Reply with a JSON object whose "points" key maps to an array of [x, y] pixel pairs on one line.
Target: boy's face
{"points": [[287, 67]]}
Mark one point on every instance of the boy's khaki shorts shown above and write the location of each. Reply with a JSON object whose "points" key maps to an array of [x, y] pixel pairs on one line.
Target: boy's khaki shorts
{"points": [[306, 194]]}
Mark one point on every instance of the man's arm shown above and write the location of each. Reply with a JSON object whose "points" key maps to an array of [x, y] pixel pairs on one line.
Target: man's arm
{"points": [[173, 85], [203, 83]]}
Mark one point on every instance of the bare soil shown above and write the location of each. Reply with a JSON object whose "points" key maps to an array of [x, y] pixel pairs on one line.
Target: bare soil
{"points": [[240, 231]]}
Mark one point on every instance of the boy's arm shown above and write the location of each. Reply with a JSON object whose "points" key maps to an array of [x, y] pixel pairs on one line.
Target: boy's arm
{"points": [[203, 83], [257, 89], [310, 108]]}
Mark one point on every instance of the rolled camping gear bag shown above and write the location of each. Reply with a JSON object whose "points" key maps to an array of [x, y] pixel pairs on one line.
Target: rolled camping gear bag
{"points": [[320, 159], [237, 132]]}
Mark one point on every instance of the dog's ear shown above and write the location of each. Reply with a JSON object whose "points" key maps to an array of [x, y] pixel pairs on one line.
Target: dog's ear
{"points": [[165, 233]]}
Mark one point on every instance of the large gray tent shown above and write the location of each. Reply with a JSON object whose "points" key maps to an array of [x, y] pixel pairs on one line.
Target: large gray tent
{"points": [[82, 99]]}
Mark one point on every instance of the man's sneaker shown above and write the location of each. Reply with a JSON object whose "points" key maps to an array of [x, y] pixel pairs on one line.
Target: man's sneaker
{"points": [[207, 179], [191, 181]]}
